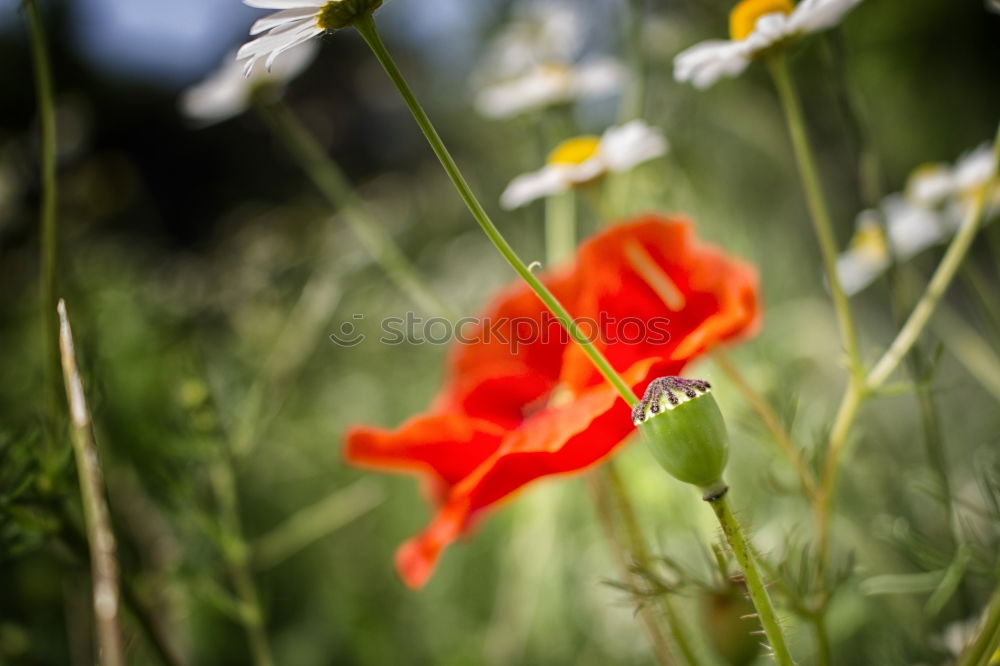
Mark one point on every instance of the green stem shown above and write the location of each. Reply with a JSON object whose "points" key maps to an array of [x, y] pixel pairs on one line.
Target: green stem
{"points": [[634, 100], [818, 210], [982, 649], [755, 585], [237, 555], [49, 257], [560, 228], [366, 28], [607, 515], [332, 183], [939, 283], [639, 550], [818, 622]]}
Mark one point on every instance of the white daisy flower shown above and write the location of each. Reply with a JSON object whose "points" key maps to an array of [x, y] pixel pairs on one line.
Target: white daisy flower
{"points": [[226, 92], [928, 213], [550, 84], [756, 26], [296, 22], [586, 158], [532, 64]]}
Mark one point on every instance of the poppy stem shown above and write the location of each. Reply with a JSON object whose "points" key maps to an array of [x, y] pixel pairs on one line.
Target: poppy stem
{"points": [[334, 186], [745, 556], [819, 212], [48, 214], [365, 26]]}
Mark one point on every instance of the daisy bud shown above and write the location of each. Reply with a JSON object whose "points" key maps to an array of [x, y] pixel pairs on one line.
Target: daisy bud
{"points": [[342, 13], [683, 426]]}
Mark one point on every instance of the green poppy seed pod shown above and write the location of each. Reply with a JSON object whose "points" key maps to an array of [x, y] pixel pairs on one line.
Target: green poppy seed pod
{"points": [[339, 14], [683, 426]]}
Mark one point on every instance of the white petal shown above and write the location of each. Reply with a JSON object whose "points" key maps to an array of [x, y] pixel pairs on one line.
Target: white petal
{"points": [[816, 15], [284, 4], [911, 229], [974, 168], [856, 269], [279, 18], [705, 63], [623, 148], [930, 185], [541, 87], [530, 186], [597, 78]]}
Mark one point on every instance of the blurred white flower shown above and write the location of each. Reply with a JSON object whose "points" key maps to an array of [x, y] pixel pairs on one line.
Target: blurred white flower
{"points": [[756, 26], [584, 159], [532, 64], [550, 84], [296, 22], [226, 92], [928, 213]]}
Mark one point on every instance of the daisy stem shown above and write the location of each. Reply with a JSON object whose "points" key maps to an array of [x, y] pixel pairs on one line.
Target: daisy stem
{"points": [[49, 203], [560, 227], [366, 28], [331, 182], [939, 283], [818, 209], [745, 556], [634, 101], [100, 537], [982, 650]]}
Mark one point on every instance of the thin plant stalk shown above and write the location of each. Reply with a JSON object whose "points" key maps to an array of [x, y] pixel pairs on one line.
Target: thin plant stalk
{"points": [[767, 416], [560, 227], [981, 651], [897, 351], [610, 476], [939, 283], [745, 556], [100, 537], [49, 204], [365, 26], [634, 100], [334, 186], [236, 553], [607, 515], [819, 212]]}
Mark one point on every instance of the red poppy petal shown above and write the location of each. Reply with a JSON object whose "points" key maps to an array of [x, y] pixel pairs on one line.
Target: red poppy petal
{"points": [[446, 447], [556, 440]]}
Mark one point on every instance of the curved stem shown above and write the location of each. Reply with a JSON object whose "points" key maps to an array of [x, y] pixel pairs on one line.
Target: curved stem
{"points": [[755, 584], [332, 183], [818, 211], [939, 283], [49, 253], [366, 28]]}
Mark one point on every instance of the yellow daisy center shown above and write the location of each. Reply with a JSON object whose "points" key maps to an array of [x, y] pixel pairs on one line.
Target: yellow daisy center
{"points": [[574, 151], [743, 18], [870, 239]]}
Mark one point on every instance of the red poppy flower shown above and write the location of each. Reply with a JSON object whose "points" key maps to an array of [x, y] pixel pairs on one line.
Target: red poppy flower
{"points": [[521, 403]]}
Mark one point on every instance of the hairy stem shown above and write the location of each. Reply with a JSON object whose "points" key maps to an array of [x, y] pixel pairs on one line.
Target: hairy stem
{"points": [[744, 555]]}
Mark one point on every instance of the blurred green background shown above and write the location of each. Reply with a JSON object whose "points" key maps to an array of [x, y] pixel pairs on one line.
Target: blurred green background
{"points": [[204, 273]]}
